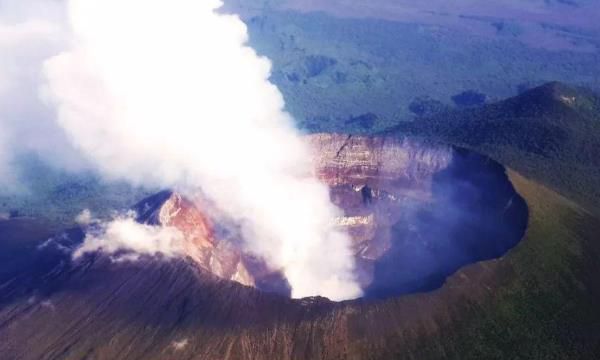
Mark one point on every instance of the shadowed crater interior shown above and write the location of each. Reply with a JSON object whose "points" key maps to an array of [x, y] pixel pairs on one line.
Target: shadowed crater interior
{"points": [[417, 213]]}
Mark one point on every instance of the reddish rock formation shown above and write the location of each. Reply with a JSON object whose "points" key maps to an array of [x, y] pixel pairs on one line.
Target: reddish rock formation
{"points": [[356, 160]]}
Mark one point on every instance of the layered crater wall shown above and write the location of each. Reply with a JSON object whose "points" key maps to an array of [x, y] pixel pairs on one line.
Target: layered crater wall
{"points": [[415, 212]]}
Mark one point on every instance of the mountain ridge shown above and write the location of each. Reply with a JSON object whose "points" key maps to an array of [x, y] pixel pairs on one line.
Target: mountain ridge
{"points": [[550, 133]]}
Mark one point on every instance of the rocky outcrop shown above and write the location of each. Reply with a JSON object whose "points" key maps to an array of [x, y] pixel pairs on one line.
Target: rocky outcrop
{"points": [[348, 159], [216, 254]]}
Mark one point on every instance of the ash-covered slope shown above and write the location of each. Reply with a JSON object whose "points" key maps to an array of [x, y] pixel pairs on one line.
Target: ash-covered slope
{"points": [[189, 308]]}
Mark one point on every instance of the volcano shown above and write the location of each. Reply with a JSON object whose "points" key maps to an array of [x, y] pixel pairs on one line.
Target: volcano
{"points": [[417, 213]]}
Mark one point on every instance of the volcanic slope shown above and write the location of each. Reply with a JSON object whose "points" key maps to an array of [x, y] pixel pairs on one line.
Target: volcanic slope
{"points": [[541, 296]]}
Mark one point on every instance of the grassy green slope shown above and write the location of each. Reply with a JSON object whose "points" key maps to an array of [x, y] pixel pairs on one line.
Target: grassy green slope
{"points": [[547, 307], [547, 304]]}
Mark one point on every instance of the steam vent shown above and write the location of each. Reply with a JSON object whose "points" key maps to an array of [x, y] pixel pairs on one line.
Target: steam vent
{"points": [[416, 214]]}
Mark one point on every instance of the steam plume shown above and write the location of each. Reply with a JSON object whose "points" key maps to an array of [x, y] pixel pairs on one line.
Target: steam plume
{"points": [[124, 233], [166, 92]]}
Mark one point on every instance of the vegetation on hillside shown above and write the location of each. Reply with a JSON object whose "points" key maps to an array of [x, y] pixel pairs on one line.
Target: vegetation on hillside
{"points": [[547, 307], [550, 133], [331, 70]]}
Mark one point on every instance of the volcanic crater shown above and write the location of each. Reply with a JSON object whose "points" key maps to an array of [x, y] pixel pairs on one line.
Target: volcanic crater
{"points": [[416, 213]]}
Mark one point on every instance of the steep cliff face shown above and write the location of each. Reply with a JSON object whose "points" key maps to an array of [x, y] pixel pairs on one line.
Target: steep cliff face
{"points": [[210, 251], [347, 159], [376, 181]]}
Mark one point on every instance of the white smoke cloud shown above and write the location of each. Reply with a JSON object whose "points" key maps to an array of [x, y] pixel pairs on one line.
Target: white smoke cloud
{"points": [[180, 345], [30, 32], [84, 218], [167, 93], [8, 181], [126, 234]]}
